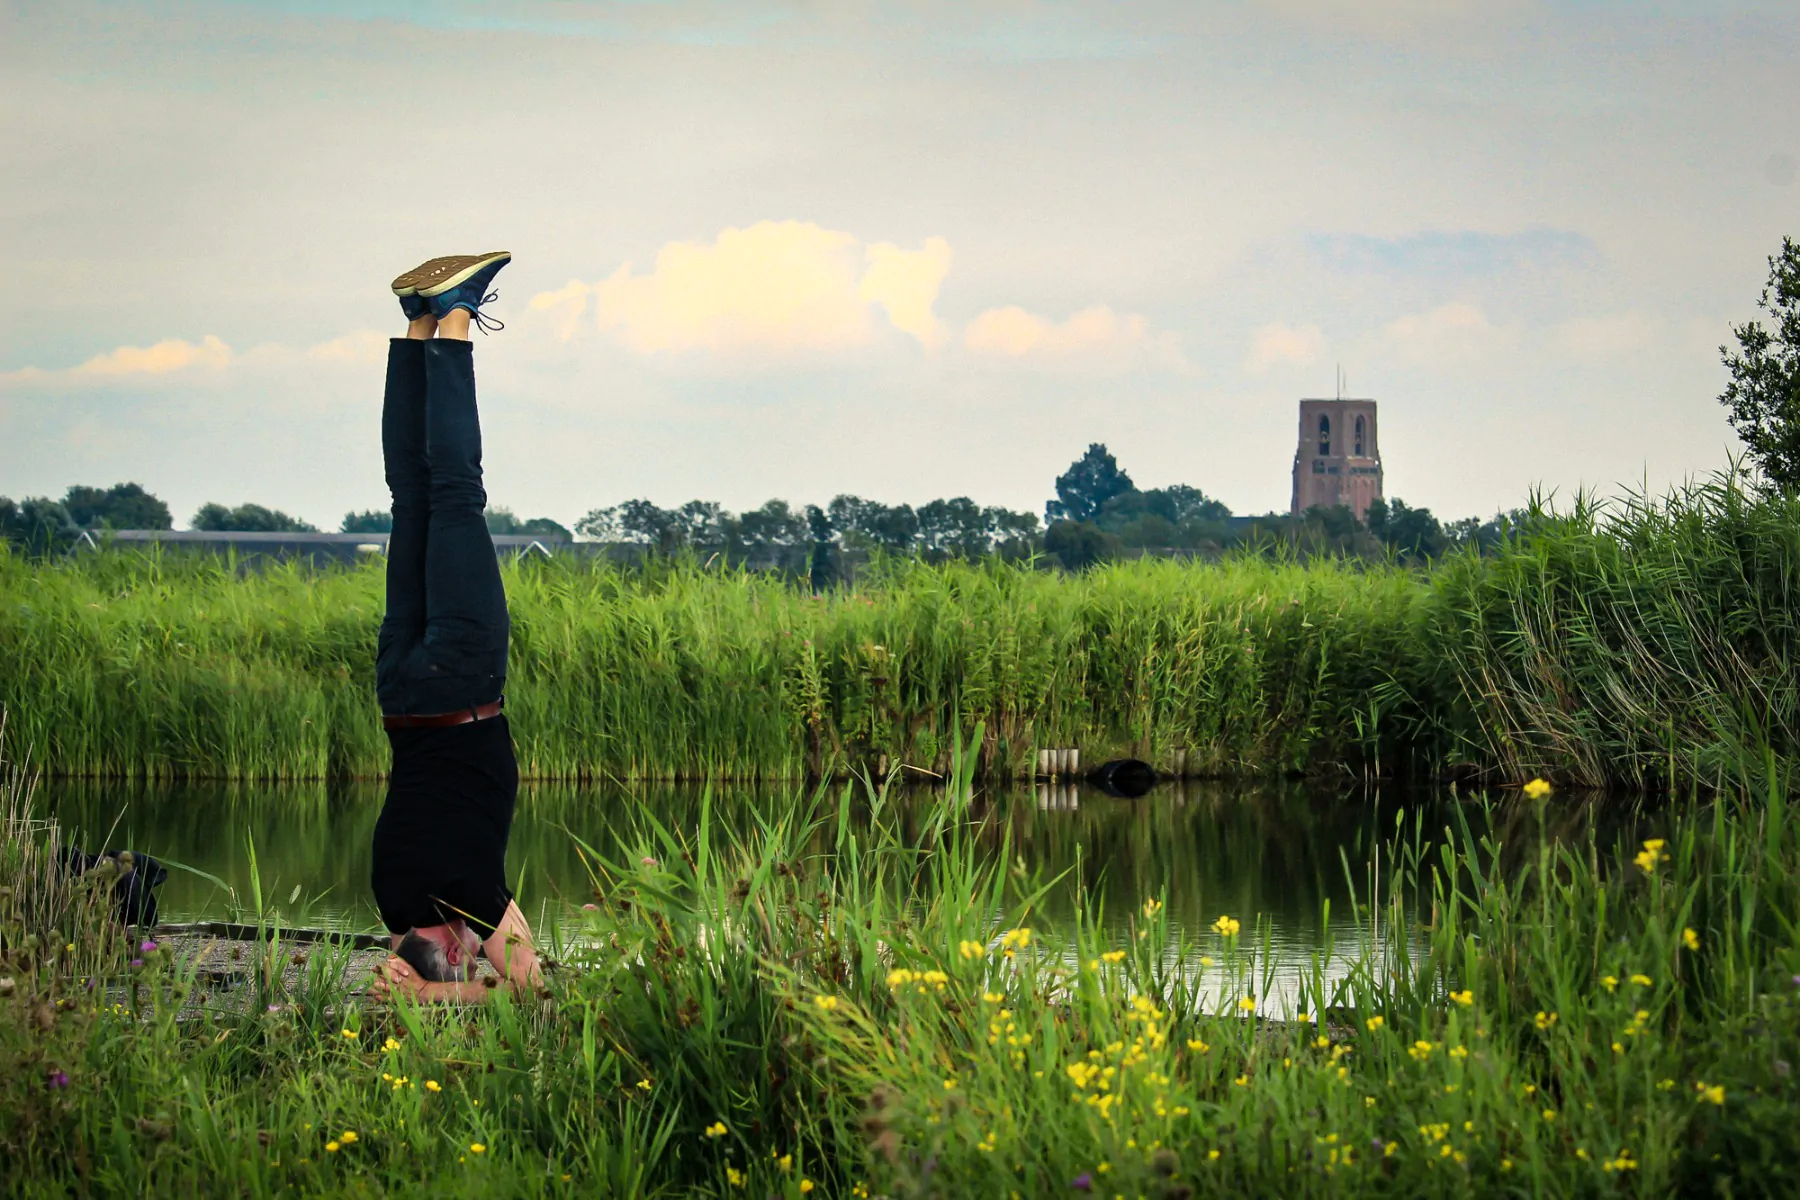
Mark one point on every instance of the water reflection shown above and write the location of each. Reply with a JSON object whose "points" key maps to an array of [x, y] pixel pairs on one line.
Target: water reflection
{"points": [[1278, 851]]}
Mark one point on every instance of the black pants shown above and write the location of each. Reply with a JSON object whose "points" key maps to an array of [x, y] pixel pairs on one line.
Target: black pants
{"points": [[443, 641], [439, 849]]}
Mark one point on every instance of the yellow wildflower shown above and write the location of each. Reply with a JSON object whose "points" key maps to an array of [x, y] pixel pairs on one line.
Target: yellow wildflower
{"points": [[1641, 980], [827, 1003], [1212, 1156], [1227, 926], [1537, 789], [1711, 1093], [1690, 939], [1464, 997], [1247, 1004], [786, 1163], [347, 1137], [806, 1185], [734, 1177], [349, 1033], [431, 1085], [1113, 956], [971, 949], [1375, 1023], [716, 1130], [993, 997], [1198, 1046], [1609, 982], [331, 1147], [643, 1085], [1019, 938], [1152, 907], [477, 1148], [1549, 1114], [1544, 1021], [390, 1045], [1242, 1081]]}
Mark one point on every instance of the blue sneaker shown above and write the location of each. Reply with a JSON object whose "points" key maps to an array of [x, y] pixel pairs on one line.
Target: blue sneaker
{"points": [[406, 287], [461, 281]]}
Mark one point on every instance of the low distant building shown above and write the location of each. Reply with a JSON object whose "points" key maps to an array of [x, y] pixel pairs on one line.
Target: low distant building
{"points": [[318, 547], [1339, 458]]}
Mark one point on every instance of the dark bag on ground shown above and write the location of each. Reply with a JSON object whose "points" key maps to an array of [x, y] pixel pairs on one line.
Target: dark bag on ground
{"points": [[136, 878]]}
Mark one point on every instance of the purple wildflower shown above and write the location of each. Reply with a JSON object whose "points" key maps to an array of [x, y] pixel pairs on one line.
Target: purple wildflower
{"points": [[149, 947], [1083, 1182], [137, 962], [59, 1079]]}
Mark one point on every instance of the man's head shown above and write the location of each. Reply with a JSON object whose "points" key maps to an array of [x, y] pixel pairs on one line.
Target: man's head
{"points": [[441, 953]]}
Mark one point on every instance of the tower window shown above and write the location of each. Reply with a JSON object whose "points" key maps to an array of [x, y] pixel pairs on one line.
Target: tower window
{"points": [[1359, 435], [1324, 434]]}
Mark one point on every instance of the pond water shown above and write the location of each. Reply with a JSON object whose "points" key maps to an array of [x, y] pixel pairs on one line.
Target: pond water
{"points": [[1277, 851]]}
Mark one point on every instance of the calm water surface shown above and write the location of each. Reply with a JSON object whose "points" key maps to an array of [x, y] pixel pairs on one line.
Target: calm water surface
{"points": [[1275, 851]]}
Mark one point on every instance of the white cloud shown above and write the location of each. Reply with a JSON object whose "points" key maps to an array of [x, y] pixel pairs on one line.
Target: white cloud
{"points": [[776, 287], [210, 357], [906, 283], [1451, 332], [1276, 344], [1095, 335]]}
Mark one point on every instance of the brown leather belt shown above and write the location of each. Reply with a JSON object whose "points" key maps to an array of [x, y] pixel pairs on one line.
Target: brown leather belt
{"points": [[462, 716]]}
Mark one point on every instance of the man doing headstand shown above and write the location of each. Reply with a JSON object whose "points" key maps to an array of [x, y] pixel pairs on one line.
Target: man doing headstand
{"points": [[440, 844]]}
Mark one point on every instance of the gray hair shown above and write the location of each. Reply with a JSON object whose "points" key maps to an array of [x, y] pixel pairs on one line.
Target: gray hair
{"points": [[428, 958]]}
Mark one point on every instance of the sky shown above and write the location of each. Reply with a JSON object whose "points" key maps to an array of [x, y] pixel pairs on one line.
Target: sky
{"points": [[900, 250]]}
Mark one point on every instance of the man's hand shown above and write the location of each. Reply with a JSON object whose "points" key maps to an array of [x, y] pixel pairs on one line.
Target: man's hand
{"points": [[395, 977]]}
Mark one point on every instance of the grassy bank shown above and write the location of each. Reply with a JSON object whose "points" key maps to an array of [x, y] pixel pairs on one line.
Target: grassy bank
{"points": [[1649, 643], [798, 1011]]}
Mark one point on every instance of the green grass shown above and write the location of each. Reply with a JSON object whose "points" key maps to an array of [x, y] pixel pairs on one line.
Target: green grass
{"points": [[1649, 645], [862, 1011]]}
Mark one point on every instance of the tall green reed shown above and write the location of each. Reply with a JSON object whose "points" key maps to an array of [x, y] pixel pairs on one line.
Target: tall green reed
{"points": [[1650, 643]]}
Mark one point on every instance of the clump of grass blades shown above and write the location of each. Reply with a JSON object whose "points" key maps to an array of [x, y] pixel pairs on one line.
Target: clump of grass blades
{"points": [[852, 1008]]}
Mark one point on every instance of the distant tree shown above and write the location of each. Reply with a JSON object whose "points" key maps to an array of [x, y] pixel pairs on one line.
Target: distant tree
{"points": [[1078, 545], [821, 564], [121, 506], [502, 523], [871, 525], [668, 530], [371, 521], [37, 524], [1086, 486], [1014, 533], [954, 527], [1413, 533], [1763, 397], [768, 530], [248, 518]]}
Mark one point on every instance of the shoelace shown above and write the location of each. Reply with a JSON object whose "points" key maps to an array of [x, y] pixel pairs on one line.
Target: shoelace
{"points": [[482, 321]]}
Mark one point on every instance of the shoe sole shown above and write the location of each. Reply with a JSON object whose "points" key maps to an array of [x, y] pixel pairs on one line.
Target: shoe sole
{"points": [[460, 270], [439, 275]]}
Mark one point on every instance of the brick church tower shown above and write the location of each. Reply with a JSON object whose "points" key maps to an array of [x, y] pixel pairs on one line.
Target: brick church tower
{"points": [[1339, 459]]}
